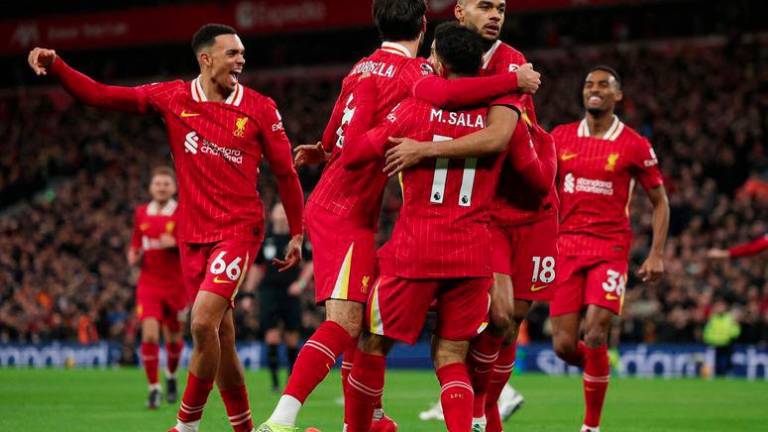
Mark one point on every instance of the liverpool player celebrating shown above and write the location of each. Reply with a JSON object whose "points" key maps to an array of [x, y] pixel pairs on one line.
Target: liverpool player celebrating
{"points": [[160, 297], [218, 132], [743, 250], [524, 219], [437, 250], [342, 212], [600, 160]]}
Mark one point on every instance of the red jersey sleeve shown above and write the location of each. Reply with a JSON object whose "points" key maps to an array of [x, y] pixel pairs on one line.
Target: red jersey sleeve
{"points": [[536, 163], [329, 134], [749, 249], [646, 166], [136, 234], [463, 92], [277, 149], [372, 145], [90, 92]]}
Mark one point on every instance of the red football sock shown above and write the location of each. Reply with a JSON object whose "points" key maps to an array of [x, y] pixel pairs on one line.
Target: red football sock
{"points": [[364, 389], [173, 349], [456, 397], [482, 355], [502, 370], [597, 372], [238, 410], [150, 356], [317, 357], [347, 360], [195, 396], [577, 358]]}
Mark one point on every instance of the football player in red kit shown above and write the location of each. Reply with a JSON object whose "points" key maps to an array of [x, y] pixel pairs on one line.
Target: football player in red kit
{"points": [[524, 219], [218, 132], [161, 301], [600, 161], [437, 250]]}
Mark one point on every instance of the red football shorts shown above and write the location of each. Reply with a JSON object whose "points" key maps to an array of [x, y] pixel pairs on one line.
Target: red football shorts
{"points": [[219, 267], [589, 281], [167, 304], [397, 307], [528, 254], [343, 256]]}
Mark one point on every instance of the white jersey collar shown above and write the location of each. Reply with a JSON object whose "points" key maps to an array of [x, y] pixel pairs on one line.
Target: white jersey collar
{"points": [[613, 132], [153, 209], [489, 54], [396, 48], [198, 95]]}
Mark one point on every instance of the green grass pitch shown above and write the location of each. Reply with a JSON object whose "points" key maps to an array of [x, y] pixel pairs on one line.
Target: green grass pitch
{"points": [[113, 400]]}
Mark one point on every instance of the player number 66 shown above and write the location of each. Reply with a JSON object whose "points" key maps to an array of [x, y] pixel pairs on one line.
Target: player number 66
{"points": [[219, 266]]}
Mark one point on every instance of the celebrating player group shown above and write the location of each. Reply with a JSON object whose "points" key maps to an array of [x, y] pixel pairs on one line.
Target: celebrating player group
{"points": [[497, 214]]}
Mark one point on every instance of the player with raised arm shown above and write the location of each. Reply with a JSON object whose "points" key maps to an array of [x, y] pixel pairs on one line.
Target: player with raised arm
{"points": [[600, 160], [161, 301], [437, 249], [524, 219], [218, 132], [342, 211], [742, 250]]}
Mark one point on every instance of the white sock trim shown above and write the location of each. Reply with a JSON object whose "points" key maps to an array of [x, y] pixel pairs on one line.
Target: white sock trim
{"points": [[286, 411]]}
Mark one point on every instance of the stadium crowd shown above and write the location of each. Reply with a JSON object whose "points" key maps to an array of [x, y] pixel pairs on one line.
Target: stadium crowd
{"points": [[70, 177]]}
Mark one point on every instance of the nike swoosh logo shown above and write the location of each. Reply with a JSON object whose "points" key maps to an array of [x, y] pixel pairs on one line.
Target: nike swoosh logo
{"points": [[216, 280], [568, 156], [535, 288], [611, 297], [185, 114]]}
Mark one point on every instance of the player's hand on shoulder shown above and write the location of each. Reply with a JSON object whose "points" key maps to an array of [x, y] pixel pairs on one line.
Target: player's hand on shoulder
{"points": [[309, 154], [528, 80], [404, 154], [718, 254], [41, 59], [652, 268], [292, 254]]}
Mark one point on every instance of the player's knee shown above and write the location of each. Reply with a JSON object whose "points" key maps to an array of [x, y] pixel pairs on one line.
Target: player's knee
{"points": [[447, 352], [565, 347], [377, 345], [500, 321], [352, 328], [204, 331], [596, 336]]}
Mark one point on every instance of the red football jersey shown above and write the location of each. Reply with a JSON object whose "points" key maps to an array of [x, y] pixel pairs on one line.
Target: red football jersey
{"points": [[596, 178], [160, 267], [515, 204], [357, 194], [442, 231], [217, 148]]}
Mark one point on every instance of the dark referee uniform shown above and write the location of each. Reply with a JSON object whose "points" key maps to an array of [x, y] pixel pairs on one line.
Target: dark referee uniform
{"points": [[276, 304]]}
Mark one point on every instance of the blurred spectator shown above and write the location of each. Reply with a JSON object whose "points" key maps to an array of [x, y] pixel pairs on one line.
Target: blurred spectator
{"points": [[721, 332]]}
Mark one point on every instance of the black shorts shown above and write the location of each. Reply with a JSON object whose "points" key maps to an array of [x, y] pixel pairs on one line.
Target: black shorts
{"points": [[276, 307]]}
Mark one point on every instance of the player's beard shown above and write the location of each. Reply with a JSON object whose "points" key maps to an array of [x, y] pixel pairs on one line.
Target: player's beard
{"points": [[488, 44], [597, 112]]}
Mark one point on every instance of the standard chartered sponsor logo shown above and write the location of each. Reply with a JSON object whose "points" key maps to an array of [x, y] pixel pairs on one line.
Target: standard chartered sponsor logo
{"points": [[193, 145], [568, 183], [573, 184], [190, 143]]}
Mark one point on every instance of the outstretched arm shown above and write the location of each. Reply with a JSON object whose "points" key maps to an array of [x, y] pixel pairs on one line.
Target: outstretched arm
{"points": [[462, 92], [128, 99], [743, 250], [493, 139]]}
